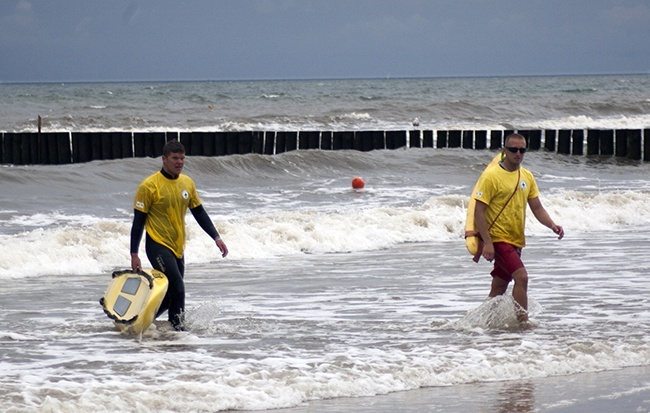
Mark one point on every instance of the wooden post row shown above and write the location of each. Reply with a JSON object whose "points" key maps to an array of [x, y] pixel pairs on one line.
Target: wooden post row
{"points": [[23, 148]]}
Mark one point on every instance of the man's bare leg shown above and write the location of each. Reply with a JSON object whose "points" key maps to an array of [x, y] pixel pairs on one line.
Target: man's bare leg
{"points": [[499, 286], [520, 293]]}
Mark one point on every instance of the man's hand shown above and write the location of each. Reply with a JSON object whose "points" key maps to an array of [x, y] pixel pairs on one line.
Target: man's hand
{"points": [[488, 251], [558, 230], [222, 247], [136, 265]]}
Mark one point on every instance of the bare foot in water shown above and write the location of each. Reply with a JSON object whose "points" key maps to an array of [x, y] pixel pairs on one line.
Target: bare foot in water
{"points": [[522, 315]]}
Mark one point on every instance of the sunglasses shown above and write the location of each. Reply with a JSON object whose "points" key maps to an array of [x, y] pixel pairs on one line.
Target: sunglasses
{"points": [[514, 150]]}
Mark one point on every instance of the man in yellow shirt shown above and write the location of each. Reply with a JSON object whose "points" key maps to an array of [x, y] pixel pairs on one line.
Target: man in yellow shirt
{"points": [[161, 202], [503, 191]]}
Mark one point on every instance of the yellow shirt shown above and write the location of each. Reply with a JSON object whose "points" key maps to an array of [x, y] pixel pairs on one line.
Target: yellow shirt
{"points": [[494, 188], [165, 201]]}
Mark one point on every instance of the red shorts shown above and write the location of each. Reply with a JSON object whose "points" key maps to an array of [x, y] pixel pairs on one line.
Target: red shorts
{"points": [[507, 259]]}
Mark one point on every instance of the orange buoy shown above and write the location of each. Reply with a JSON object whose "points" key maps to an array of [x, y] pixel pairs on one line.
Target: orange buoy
{"points": [[357, 183]]}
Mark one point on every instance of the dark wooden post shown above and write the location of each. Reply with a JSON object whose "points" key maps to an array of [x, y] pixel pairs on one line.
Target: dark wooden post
{"points": [[220, 143], [593, 142], [454, 139], [280, 142], [363, 141], [291, 140], [606, 142], [634, 144], [186, 138], [269, 142], [496, 139], [257, 144], [148, 144], [415, 139], [12, 148], [378, 140], [337, 140], [468, 139], [208, 143], [65, 151], [534, 138], [564, 142], [309, 139], [34, 153], [232, 143], [427, 139], [326, 140], [358, 139], [38, 140], [480, 139], [24, 145], [347, 140], [80, 147], [578, 138], [395, 139], [620, 142], [443, 139], [245, 142]]}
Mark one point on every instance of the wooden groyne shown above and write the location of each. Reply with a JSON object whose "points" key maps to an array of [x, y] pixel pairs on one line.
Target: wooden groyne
{"points": [[74, 147]]}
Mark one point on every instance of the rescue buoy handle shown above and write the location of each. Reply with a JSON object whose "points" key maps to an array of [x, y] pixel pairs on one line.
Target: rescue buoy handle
{"points": [[140, 273]]}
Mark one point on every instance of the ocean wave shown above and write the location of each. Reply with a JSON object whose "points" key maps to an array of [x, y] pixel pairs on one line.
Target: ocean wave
{"points": [[298, 105], [80, 244], [350, 121]]}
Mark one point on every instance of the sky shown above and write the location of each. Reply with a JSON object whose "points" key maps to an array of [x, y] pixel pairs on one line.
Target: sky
{"points": [[176, 40]]}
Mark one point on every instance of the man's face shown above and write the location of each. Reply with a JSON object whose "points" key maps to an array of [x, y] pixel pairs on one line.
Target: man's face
{"points": [[514, 158], [173, 164]]}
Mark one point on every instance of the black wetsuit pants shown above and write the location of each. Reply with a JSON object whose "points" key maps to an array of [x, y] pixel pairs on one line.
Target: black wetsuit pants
{"points": [[164, 260]]}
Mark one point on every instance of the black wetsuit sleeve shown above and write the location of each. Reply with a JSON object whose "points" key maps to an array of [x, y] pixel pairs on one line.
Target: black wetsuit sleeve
{"points": [[139, 219], [202, 217]]}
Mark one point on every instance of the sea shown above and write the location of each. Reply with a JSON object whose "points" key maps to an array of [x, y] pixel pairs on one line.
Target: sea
{"points": [[332, 299]]}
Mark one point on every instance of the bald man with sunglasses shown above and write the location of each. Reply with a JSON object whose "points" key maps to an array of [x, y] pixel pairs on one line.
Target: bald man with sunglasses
{"points": [[503, 191]]}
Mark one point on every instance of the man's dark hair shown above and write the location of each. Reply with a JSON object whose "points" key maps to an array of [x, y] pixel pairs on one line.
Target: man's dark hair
{"points": [[173, 147], [515, 136]]}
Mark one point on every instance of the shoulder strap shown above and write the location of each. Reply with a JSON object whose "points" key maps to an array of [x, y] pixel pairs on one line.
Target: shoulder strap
{"points": [[477, 256], [506, 204]]}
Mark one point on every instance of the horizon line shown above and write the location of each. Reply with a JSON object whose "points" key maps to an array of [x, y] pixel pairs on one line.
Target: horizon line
{"points": [[318, 78]]}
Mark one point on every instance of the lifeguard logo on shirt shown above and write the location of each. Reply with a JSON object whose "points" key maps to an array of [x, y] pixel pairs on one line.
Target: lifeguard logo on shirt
{"points": [[479, 194], [523, 185], [139, 204], [185, 194]]}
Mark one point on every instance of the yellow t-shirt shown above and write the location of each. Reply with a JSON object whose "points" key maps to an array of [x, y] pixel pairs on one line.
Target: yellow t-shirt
{"points": [[494, 188], [165, 201]]}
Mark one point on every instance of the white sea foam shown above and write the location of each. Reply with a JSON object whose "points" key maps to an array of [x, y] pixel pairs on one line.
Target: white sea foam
{"points": [[587, 122], [84, 244]]}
